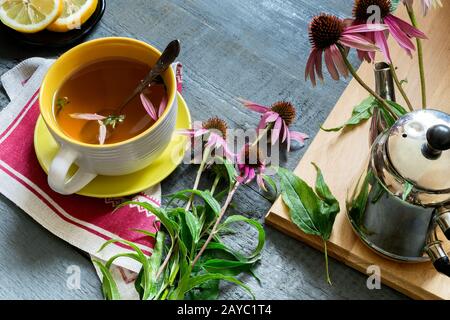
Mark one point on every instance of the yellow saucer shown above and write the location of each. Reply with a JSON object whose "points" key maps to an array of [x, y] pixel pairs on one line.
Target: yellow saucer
{"points": [[46, 149]]}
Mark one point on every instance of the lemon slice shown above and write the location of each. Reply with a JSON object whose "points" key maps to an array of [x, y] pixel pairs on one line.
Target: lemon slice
{"points": [[75, 13], [29, 16]]}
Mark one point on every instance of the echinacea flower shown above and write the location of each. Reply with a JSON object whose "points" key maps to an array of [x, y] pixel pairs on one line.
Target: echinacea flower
{"points": [[216, 131], [400, 30], [426, 4], [280, 115], [154, 113], [251, 165], [326, 33], [102, 122]]}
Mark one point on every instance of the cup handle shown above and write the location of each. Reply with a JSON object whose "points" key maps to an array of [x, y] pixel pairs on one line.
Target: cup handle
{"points": [[59, 169]]}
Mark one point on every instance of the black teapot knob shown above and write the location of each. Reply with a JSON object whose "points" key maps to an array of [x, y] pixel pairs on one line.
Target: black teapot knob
{"points": [[438, 140]]}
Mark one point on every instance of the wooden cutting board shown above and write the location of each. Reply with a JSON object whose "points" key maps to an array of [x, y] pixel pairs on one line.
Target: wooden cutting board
{"points": [[341, 157]]}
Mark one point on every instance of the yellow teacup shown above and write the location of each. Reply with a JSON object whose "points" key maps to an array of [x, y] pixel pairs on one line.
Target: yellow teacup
{"points": [[112, 159]]}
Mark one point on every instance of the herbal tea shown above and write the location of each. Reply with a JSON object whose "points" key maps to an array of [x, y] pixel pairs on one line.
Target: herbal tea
{"points": [[85, 105]]}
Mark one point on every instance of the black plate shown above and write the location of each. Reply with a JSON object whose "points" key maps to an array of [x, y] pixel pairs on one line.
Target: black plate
{"points": [[58, 39]]}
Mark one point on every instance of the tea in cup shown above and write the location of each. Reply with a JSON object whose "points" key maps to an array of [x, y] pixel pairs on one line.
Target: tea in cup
{"points": [[78, 100]]}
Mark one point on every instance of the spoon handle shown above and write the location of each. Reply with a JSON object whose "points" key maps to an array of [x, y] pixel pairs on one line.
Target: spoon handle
{"points": [[165, 60]]}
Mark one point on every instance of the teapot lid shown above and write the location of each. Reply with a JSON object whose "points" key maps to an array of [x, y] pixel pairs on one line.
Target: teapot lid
{"points": [[418, 148]]}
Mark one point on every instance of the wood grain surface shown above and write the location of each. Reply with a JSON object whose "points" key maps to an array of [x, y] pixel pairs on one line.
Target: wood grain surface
{"points": [[341, 156], [255, 49]]}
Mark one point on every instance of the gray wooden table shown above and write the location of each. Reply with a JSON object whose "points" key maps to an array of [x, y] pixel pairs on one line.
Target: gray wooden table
{"points": [[231, 48]]}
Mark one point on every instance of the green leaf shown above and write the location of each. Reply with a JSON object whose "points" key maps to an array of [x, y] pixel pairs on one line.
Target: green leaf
{"points": [[329, 207], [200, 279], [312, 213], [301, 200], [141, 258], [255, 224], [407, 188], [133, 256], [145, 232], [194, 226], [227, 267], [174, 267], [109, 287], [361, 113], [398, 109], [155, 261], [169, 224], [271, 183], [206, 291], [205, 195]]}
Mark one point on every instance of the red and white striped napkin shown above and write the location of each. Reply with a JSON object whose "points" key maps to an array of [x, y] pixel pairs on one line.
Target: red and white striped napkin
{"points": [[84, 222]]}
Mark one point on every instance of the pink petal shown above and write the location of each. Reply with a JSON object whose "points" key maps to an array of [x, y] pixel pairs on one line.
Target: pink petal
{"points": [[102, 132], [260, 181], [272, 117], [410, 30], [363, 56], [285, 130], [358, 42], [251, 175], [87, 116], [359, 28], [254, 106], [299, 137], [148, 105], [276, 130], [162, 106], [380, 40], [246, 173], [240, 179], [330, 65], [200, 132], [402, 39], [288, 140], [318, 65], [309, 70], [220, 142], [212, 140], [339, 61]]}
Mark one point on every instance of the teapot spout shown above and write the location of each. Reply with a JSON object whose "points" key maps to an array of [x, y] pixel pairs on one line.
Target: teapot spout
{"points": [[384, 83], [384, 87]]}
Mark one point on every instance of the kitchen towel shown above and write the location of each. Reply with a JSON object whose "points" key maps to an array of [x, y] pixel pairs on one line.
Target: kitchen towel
{"points": [[84, 222]]}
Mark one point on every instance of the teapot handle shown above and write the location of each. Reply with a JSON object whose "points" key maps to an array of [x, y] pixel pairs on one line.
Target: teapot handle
{"points": [[435, 250], [442, 265]]}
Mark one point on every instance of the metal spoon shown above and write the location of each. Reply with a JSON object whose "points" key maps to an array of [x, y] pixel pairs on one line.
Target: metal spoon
{"points": [[165, 60]]}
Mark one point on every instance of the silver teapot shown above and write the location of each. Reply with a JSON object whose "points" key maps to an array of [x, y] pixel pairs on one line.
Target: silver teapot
{"points": [[403, 195]]}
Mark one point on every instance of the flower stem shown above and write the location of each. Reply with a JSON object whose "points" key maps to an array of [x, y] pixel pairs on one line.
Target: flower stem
{"points": [[364, 85], [400, 87], [216, 225], [412, 17], [166, 260], [326, 262], [262, 134], [199, 175], [215, 183]]}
